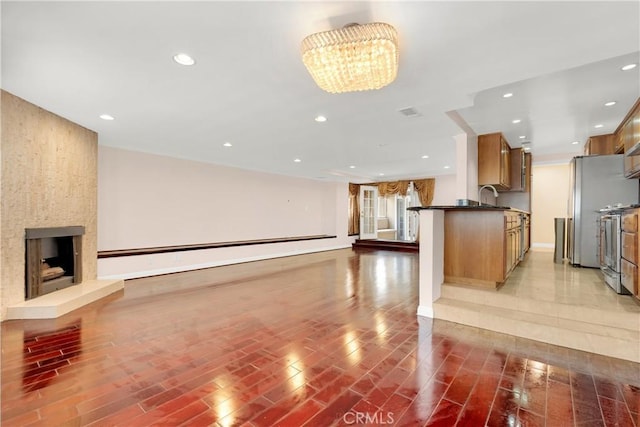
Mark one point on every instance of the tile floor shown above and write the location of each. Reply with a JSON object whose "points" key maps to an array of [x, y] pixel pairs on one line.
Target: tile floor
{"points": [[332, 340], [555, 303], [541, 279]]}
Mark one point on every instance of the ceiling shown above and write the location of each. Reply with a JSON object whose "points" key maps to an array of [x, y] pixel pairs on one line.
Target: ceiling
{"points": [[249, 87]]}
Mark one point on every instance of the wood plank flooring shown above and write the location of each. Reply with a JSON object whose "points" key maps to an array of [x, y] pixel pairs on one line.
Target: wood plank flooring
{"points": [[317, 340]]}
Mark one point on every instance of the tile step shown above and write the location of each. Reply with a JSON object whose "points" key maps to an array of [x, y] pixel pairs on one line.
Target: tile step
{"points": [[607, 340], [622, 317]]}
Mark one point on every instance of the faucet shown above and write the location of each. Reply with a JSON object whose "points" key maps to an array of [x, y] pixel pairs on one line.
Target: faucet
{"points": [[495, 192]]}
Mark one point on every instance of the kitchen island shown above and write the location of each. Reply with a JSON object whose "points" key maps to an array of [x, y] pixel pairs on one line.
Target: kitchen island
{"points": [[482, 244]]}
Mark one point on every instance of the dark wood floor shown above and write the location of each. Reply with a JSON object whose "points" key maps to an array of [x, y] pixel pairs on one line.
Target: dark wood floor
{"points": [[333, 340]]}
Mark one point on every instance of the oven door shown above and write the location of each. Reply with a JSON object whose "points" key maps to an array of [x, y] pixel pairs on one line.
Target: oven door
{"points": [[610, 241]]}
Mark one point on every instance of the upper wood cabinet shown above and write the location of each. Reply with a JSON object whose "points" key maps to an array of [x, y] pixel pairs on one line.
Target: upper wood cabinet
{"points": [[520, 170], [600, 144], [628, 134], [494, 161]]}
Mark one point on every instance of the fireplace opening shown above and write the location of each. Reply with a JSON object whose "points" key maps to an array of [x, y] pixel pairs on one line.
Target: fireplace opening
{"points": [[53, 259], [57, 263]]}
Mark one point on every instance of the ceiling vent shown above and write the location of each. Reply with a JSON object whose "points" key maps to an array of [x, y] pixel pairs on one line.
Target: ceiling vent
{"points": [[409, 112]]}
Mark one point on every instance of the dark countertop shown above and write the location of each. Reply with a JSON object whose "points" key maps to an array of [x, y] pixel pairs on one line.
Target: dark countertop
{"points": [[468, 208]]}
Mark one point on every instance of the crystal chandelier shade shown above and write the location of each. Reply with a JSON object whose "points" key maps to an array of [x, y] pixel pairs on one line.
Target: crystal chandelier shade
{"points": [[353, 58]]}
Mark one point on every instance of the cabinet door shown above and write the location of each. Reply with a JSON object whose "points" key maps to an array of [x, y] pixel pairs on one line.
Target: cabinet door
{"points": [[634, 137], [518, 170], [630, 162], [601, 144], [630, 221], [630, 247], [494, 159], [507, 252], [629, 276], [505, 164], [619, 142]]}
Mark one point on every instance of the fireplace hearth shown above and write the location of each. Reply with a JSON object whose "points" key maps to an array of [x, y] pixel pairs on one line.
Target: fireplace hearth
{"points": [[53, 259]]}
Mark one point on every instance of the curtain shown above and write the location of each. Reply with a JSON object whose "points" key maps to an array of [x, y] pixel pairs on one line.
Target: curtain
{"points": [[393, 187], [425, 189], [354, 209]]}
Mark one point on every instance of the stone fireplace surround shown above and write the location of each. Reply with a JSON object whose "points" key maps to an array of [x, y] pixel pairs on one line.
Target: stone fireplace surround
{"points": [[49, 178]]}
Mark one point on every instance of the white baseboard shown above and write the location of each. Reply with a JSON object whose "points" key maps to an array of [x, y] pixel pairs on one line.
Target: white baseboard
{"points": [[183, 268], [543, 245]]}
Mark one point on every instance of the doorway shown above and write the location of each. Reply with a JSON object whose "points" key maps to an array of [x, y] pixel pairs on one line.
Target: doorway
{"points": [[386, 217], [368, 212]]}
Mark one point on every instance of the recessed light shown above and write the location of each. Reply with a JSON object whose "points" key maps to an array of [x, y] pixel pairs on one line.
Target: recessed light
{"points": [[610, 103], [381, 174], [507, 95], [522, 137], [516, 121], [598, 126], [576, 142], [184, 59], [447, 167], [320, 119], [425, 157], [106, 117], [227, 144], [629, 67], [352, 167], [297, 160]]}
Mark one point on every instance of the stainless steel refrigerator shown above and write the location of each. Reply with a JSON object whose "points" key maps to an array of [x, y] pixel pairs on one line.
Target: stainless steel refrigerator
{"points": [[596, 181]]}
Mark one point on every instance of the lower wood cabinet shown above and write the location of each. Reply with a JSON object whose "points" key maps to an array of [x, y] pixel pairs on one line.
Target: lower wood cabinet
{"points": [[512, 240], [481, 246], [630, 277], [629, 261]]}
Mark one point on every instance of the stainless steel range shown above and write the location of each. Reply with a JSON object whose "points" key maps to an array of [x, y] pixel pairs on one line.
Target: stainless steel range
{"points": [[610, 247]]}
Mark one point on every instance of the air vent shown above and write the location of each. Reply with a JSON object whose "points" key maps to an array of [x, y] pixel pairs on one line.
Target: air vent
{"points": [[409, 112]]}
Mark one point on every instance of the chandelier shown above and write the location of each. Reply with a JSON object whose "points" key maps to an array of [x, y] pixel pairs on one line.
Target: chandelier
{"points": [[353, 58]]}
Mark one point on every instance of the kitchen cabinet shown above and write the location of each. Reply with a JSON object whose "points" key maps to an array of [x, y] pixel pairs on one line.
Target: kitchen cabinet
{"points": [[629, 261], [518, 170], [527, 233], [520, 166], [482, 246], [600, 144], [494, 161], [513, 236], [628, 134]]}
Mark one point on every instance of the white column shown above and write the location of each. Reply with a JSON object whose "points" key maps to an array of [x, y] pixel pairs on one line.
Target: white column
{"points": [[466, 166], [431, 259]]}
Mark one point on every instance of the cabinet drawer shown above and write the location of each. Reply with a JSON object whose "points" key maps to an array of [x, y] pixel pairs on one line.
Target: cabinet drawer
{"points": [[630, 247], [630, 222], [629, 276]]}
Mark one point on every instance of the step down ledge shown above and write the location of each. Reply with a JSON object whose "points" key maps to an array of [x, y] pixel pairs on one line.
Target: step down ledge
{"points": [[609, 341], [622, 319]]}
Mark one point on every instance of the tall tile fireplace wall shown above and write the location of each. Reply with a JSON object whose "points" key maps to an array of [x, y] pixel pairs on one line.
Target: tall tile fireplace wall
{"points": [[48, 168]]}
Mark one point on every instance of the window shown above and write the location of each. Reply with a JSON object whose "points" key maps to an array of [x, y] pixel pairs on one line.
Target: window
{"points": [[382, 207]]}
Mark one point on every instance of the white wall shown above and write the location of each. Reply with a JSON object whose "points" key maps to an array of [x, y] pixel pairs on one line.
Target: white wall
{"points": [[147, 200], [445, 190], [549, 198]]}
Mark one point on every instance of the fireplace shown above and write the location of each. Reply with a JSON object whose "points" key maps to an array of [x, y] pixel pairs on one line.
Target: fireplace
{"points": [[53, 259]]}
